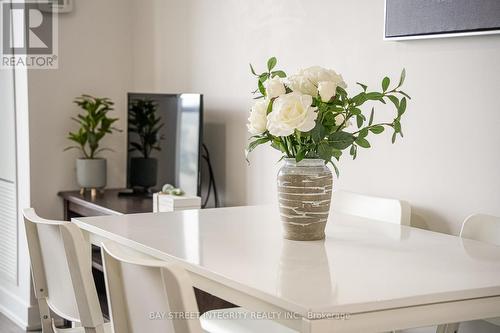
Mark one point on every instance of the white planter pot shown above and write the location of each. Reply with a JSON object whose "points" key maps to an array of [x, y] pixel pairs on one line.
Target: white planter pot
{"points": [[91, 173]]}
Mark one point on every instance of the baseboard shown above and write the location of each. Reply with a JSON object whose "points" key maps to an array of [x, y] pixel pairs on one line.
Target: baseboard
{"points": [[26, 316]]}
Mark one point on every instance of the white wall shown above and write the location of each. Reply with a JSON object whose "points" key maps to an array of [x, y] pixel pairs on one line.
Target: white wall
{"points": [[16, 300], [95, 57], [446, 166]]}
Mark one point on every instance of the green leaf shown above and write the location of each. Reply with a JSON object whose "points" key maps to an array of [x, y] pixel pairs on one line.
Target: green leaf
{"points": [[340, 140], [278, 73], [359, 98], [325, 151], [269, 107], [355, 111], [252, 70], [359, 121], [363, 133], [394, 137], [385, 83], [261, 88], [271, 63], [370, 121], [300, 155], [362, 142], [362, 86], [402, 106], [377, 129], [394, 100], [335, 169], [353, 151], [404, 94], [402, 78], [263, 77], [397, 126], [252, 145], [374, 96], [318, 132]]}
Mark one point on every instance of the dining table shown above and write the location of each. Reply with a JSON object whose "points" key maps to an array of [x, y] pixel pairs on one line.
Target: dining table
{"points": [[365, 276]]}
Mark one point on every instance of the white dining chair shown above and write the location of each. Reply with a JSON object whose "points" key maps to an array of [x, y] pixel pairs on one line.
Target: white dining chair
{"points": [[149, 295], [371, 207], [484, 228], [62, 275]]}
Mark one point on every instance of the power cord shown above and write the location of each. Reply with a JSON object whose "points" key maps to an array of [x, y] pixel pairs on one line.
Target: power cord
{"points": [[211, 182]]}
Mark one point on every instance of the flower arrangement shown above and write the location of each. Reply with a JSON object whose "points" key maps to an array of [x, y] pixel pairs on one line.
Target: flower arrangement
{"points": [[309, 115]]}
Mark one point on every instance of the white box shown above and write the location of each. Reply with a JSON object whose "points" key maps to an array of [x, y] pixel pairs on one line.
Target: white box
{"points": [[169, 203]]}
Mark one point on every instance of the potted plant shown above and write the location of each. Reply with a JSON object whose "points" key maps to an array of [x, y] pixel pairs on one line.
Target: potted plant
{"points": [[144, 122], [94, 125], [311, 119]]}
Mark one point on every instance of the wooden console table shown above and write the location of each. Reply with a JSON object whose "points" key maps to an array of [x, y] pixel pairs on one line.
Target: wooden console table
{"points": [[105, 203]]}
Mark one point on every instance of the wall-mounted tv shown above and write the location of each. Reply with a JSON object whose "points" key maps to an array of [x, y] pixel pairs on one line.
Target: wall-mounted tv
{"points": [[412, 19], [164, 141]]}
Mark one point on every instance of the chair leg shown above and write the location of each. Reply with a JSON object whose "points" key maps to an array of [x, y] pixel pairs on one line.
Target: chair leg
{"points": [[448, 328], [45, 318]]}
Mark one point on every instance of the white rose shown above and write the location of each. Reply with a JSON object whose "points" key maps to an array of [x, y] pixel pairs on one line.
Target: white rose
{"points": [[307, 80], [302, 84], [290, 112], [258, 117], [317, 74], [326, 90], [274, 87]]}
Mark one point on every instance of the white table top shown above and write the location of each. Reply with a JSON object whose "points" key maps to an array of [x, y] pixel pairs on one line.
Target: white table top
{"points": [[362, 265]]}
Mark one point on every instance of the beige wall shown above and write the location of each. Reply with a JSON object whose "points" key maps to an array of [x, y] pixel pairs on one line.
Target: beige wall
{"points": [[447, 164], [95, 57]]}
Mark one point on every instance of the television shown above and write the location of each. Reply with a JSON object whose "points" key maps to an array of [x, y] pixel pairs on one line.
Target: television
{"points": [[164, 141]]}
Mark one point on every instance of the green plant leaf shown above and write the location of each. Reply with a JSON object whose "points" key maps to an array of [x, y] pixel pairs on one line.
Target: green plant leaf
{"points": [[353, 151], [385, 83], [377, 129], [252, 70], [340, 140], [271, 63], [300, 155], [364, 86], [394, 100], [394, 137], [397, 126], [374, 95], [404, 94], [363, 133], [252, 145], [278, 73], [335, 169], [362, 142], [370, 121], [261, 88], [402, 77], [402, 106], [318, 132], [359, 121]]}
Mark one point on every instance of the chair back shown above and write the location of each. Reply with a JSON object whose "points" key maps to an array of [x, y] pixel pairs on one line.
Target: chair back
{"points": [[380, 209], [61, 269], [482, 227], [147, 295]]}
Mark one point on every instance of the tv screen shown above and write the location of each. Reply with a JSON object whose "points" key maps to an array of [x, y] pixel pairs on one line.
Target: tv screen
{"points": [[164, 141]]}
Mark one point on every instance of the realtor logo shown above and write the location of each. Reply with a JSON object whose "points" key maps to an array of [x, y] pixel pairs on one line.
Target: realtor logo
{"points": [[29, 34]]}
